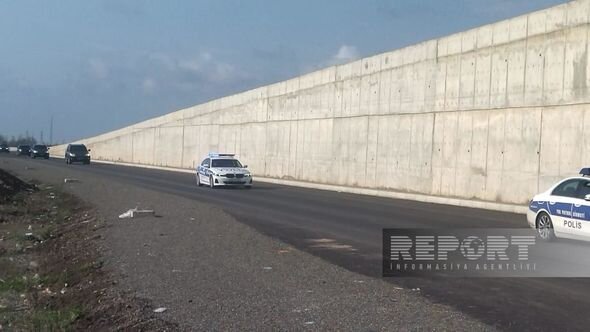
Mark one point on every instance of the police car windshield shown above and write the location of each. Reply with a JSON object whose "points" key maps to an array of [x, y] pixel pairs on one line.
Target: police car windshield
{"points": [[225, 163]]}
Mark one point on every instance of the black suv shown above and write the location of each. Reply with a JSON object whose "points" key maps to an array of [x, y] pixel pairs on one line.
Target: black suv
{"points": [[23, 150], [77, 152], [4, 148], [40, 151]]}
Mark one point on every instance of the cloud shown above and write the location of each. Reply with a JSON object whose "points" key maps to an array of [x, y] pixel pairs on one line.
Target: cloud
{"points": [[346, 53], [98, 68], [125, 8], [404, 10], [149, 85], [203, 67]]}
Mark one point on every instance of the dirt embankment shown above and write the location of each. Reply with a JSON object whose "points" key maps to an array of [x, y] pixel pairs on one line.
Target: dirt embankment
{"points": [[51, 275]]}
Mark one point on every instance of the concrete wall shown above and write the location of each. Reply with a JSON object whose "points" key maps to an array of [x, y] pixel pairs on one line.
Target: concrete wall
{"points": [[495, 113]]}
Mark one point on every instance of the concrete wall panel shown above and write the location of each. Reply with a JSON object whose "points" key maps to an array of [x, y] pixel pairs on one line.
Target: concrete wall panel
{"points": [[495, 113]]}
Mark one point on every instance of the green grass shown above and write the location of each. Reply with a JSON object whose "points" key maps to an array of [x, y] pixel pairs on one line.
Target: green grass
{"points": [[15, 284], [54, 320]]}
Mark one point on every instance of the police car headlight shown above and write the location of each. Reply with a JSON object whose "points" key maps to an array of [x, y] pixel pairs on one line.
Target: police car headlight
{"points": [[72, 155], [247, 175]]}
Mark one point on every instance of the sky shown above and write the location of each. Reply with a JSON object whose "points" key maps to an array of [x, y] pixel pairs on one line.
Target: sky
{"points": [[98, 65]]}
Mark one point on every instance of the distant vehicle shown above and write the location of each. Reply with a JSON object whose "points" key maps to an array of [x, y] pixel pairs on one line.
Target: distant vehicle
{"points": [[4, 148], [77, 153], [563, 211], [23, 150], [222, 169], [40, 151]]}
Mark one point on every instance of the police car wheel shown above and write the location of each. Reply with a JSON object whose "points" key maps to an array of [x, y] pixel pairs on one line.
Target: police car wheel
{"points": [[198, 180], [211, 184], [545, 227]]}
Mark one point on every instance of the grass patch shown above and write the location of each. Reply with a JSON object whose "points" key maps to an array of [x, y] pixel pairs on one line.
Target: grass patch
{"points": [[15, 284], [54, 320]]}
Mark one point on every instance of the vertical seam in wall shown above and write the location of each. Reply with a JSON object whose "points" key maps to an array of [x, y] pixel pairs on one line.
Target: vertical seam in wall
{"points": [[506, 103], [369, 117], [492, 49], [492, 52], [238, 141], [154, 145], [289, 154], [132, 145], [410, 149], [559, 154], [442, 153], [509, 45], [564, 31], [503, 149], [475, 51], [457, 147], [487, 153], [543, 78], [264, 98], [507, 56], [400, 88], [182, 146], [377, 150], [389, 92], [432, 150], [367, 148], [335, 88], [539, 151], [424, 98], [582, 150], [297, 127], [526, 55], [544, 50], [444, 106], [360, 89], [460, 57], [471, 153]]}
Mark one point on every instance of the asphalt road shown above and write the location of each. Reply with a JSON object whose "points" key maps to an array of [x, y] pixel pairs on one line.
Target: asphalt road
{"points": [[345, 229]]}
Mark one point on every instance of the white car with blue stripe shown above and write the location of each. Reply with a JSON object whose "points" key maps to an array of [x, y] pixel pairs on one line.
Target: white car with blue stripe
{"points": [[223, 169], [563, 211]]}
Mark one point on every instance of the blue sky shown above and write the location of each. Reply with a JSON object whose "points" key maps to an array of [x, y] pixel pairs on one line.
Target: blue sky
{"points": [[100, 65]]}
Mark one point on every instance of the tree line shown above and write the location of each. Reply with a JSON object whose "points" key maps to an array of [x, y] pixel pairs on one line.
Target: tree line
{"points": [[16, 141]]}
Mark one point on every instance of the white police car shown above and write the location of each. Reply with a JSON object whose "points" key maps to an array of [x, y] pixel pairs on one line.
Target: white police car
{"points": [[222, 169], [563, 210]]}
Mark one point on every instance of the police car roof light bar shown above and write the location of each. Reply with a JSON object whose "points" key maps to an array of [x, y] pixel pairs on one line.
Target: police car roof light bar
{"points": [[215, 154], [585, 171]]}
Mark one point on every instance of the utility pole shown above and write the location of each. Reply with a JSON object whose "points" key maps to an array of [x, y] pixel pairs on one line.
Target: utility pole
{"points": [[51, 131], [41, 138]]}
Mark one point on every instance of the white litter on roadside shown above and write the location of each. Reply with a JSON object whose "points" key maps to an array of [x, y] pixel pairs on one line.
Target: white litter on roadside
{"points": [[66, 180], [134, 213], [309, 323], [267, 268], [159, 310]]}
